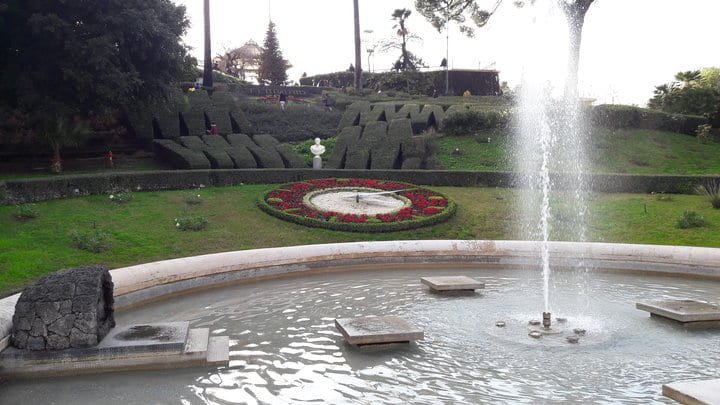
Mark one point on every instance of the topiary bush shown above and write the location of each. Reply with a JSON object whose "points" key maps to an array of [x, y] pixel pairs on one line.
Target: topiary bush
{"points": [[469, 122], [179, 156], [296, 123]]}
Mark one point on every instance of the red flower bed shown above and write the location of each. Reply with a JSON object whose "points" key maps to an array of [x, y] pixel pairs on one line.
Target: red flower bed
{"points": [[289, 199]]}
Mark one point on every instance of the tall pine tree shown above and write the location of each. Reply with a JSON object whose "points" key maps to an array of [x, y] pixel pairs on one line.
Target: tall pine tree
{"points": [[273, 68]]}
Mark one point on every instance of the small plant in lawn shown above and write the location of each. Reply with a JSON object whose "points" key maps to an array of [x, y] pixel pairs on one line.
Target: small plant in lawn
{"points": [[94, 240], [191, 223], [121, 197], [711, 190], [703, 133], [193, 199], [664, 197], [25, 212], [690, 219]]}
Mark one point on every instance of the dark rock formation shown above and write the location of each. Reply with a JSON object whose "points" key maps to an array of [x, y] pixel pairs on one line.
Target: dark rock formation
{"points": [[67, 309]]}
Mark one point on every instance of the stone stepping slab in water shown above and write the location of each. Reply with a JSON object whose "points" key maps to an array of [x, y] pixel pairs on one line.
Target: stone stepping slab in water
{"points": [[378, 330], [706, 392], [452, 283], [687, 312]]}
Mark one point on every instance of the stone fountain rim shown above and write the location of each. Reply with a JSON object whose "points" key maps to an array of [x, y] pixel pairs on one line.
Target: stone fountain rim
{"points": [[135, 285]]}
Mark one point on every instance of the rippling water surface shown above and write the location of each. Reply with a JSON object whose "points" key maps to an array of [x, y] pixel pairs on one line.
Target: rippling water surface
{"points": [[285, 348]]}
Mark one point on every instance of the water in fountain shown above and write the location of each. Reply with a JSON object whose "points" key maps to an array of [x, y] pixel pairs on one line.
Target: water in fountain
{"points": [[549, 150]]}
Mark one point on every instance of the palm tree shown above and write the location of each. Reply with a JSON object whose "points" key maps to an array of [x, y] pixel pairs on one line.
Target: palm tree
{"points": [[207, 70]]}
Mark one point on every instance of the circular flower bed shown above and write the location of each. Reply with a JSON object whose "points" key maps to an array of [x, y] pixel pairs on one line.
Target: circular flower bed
{"points": [[420, 206]]}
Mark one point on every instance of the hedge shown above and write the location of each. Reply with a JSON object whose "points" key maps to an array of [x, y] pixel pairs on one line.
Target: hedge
{"points": [[291, 159], [193, 142], [216, 141], [242, 157], [296, 123], [622, 116], [33, 190], [219, 159], [180, 156], [388, 153], [348, 136], [471, 121], [358, 153], [408, 111]]}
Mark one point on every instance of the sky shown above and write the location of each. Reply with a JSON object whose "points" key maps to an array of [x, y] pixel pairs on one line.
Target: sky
{"points": [[628, 46]]}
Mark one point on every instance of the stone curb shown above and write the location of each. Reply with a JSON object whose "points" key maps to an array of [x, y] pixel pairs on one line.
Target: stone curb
{"points": [[152, 281]]}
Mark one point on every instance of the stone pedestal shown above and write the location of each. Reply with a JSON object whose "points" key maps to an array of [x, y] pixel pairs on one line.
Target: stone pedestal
{"points": [[317, 162], [705, 392], [452, 283], [378, 330], [689, 313]]}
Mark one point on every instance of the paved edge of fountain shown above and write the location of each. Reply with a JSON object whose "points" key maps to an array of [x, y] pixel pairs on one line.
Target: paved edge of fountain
{"points": [[148, 282]]}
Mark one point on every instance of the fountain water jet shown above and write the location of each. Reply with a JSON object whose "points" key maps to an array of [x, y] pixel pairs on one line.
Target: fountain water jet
{"points": [[549, 148]]}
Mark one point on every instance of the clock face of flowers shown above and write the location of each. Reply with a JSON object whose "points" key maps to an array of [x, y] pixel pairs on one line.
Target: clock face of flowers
{"points": [[335, 203]]}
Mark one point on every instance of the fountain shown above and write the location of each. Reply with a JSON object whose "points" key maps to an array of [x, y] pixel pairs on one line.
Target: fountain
{"points": [[285, 348]]}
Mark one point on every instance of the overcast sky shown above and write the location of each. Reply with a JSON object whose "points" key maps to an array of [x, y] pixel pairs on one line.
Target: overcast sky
{"points": [[628, 47]]}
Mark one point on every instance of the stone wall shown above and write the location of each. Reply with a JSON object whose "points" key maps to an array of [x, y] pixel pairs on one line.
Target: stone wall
{"points": [[71, 308]]}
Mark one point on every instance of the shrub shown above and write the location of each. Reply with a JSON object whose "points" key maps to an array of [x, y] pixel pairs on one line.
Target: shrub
{"points": [[303, 149], [711, 190], [296, 123], [121, 197], [193, 199], [191, 223], [94, 240], [623, 116], [703, 133], [179, 156], [472, 121], [690, 219], [26, 211]]}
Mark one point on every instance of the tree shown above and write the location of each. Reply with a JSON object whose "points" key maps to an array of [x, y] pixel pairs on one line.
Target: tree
{"points": [[208, 65], [694, 92], [273, 68], [442, 12], [358, 61], [81, 59], [406, 61]]}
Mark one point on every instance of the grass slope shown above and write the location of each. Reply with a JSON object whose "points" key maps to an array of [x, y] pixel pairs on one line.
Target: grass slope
{"points": [[619, 151], [144, 229]]}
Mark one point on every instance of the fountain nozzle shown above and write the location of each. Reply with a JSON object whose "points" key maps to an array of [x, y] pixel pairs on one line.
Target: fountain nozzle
{"points": [[546, 320]]}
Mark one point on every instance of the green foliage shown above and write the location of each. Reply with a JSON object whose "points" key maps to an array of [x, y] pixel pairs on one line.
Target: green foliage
{"points": [[704, 134], [303, 149], [472, 121], [440, 12], [690, 219], [695, 92], [273, 68], [122, 197], [86, 57], [94, 240], [297, 123], [622, 116], [191, 223], [711, 190], [179, 156], [26, 211], [193, 199]]}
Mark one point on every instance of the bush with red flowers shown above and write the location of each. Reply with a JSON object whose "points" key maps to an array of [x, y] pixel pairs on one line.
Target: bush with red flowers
{"points": [[423, 206]]}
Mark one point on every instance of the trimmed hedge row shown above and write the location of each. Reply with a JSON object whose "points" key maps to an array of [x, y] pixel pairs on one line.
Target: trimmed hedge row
{"points": [[180, 156], [33, 190], [622, 116]]}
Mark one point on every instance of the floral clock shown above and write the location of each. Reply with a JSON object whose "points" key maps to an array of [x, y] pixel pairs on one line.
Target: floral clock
{"points": [[358, 205]]}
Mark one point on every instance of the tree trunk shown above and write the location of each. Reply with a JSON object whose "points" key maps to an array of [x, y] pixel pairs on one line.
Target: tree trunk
{"points": [[575, 14], [208, 66], [358, 60]]}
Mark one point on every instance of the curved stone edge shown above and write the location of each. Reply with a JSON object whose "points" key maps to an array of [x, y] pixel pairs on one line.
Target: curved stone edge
{"points": [[152, 281]]}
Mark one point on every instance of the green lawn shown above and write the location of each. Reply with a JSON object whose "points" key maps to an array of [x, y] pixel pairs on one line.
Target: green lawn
{"points": [[144, 230], [619, 151]]}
